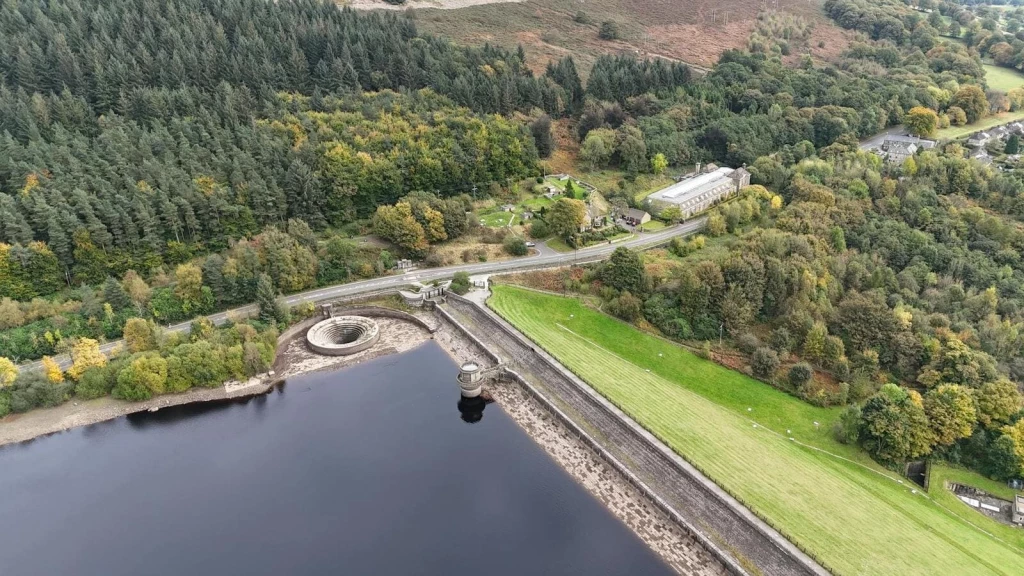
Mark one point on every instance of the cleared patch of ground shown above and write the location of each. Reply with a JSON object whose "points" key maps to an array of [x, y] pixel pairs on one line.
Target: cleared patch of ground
{"points": [[437, 4], [693, 31]]}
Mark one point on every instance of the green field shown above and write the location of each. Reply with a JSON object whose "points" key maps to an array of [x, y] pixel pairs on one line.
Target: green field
{"points": [[773, 452], [1002, 78], [986, 122]]}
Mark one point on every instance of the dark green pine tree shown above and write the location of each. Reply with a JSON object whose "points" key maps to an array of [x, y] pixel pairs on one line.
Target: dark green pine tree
{"points": [[266, 299]]}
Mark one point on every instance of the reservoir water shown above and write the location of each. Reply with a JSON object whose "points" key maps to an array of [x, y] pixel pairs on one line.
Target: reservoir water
{"points": [[371, 470]]}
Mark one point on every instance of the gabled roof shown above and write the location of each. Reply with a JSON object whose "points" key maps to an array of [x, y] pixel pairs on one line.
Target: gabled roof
{"points": [[634, 213]]}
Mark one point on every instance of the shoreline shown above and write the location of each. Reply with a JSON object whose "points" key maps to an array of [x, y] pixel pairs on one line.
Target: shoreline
{"points": [[292, 360], [670, 542]]}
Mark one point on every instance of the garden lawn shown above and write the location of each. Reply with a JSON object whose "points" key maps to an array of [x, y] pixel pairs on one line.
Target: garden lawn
{"points": [[654, 225], [498, 219], [535, 204], [1002, 78], [826, 497]]}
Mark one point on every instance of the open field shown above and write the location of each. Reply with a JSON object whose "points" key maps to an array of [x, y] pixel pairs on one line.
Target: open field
{"points": [[986, 122], [1002, 78], [828, 498], [696, 31]]}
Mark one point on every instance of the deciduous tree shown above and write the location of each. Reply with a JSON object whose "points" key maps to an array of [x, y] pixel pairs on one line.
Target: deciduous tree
{"points": [[951, 414], [85, 354]]}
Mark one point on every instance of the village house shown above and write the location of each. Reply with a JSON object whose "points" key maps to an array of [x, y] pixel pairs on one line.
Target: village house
{"points": [[896, 149], [635, 217], [978, 139], [1018, 509], [699, 190]]}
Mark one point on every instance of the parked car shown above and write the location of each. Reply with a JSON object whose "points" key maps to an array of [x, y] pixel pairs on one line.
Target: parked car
{"points": [[530, 244]]}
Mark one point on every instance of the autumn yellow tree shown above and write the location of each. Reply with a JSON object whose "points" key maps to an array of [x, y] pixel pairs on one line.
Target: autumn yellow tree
{"points": [[715, 225], [139, 335], [658, 163], [52, 370], [921, 121], [8, 372], [85, 354]]}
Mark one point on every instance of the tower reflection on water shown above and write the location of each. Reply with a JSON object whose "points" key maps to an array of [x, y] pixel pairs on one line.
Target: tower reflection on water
{"points": [[471, 410]]}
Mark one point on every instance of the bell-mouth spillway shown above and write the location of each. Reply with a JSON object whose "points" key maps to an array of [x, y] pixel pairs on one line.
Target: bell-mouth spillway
{"points": [[343, 335]]}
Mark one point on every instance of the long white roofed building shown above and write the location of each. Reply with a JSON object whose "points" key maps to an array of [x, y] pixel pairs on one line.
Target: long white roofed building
{"points": [[698, 191]]}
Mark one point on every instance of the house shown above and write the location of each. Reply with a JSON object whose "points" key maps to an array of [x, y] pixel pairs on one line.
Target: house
{"points": [[896, 148], [1018, 509], [697, 191], [508, 207], [978, 139], [592, 218], [526, 215], [898, 152], [635, 217]]}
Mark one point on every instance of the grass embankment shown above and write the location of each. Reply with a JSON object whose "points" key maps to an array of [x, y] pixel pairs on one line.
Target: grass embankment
{"points": [[828, 498]]}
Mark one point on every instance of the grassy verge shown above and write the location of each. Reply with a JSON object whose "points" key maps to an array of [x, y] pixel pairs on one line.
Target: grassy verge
{"points": [[773, 452]]}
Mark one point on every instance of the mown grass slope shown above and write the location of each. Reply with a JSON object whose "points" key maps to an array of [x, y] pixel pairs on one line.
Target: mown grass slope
{"points": [[828, 498]]}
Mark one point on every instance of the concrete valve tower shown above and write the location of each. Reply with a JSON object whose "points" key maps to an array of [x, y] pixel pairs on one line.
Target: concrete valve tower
{"points": [[470, 380]]}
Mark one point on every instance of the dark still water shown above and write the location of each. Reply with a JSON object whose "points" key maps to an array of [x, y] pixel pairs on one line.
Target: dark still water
{"points": [[370, 470]]}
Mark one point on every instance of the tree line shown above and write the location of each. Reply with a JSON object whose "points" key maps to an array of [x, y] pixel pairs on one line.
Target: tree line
{"points": [[153, 363], [898, 291]]}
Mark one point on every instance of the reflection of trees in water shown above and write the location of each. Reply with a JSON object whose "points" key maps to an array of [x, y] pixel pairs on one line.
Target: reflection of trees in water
{"points": [[472, 409], [175, 414]]}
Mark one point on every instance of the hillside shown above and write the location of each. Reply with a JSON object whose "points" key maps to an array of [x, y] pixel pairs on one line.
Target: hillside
{"points": [[696, 31]]}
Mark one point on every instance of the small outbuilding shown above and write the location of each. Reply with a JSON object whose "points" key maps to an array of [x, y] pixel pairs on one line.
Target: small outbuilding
{"points": [[1018, 509]]}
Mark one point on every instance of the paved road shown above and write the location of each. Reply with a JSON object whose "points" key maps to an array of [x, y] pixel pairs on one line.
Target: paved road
{"points": [[545, 258]]}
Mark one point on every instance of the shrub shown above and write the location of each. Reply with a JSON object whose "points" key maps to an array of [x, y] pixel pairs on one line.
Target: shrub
{"points": [[434, 260], [780, 340], [460, 283], [582, 17], [539, 229], [515, 246], [98, 381], [626, 306], [705, 350], [609, 30], [800, 375], [748, 343], [847, 427], [764, 363]]}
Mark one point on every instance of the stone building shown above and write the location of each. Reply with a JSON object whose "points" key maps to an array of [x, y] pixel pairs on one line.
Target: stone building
{"points": [[896, 149], [699, 190]]}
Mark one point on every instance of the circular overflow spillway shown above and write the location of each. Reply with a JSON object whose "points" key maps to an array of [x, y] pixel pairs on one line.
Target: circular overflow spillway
{"points": [[343, 335]]}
